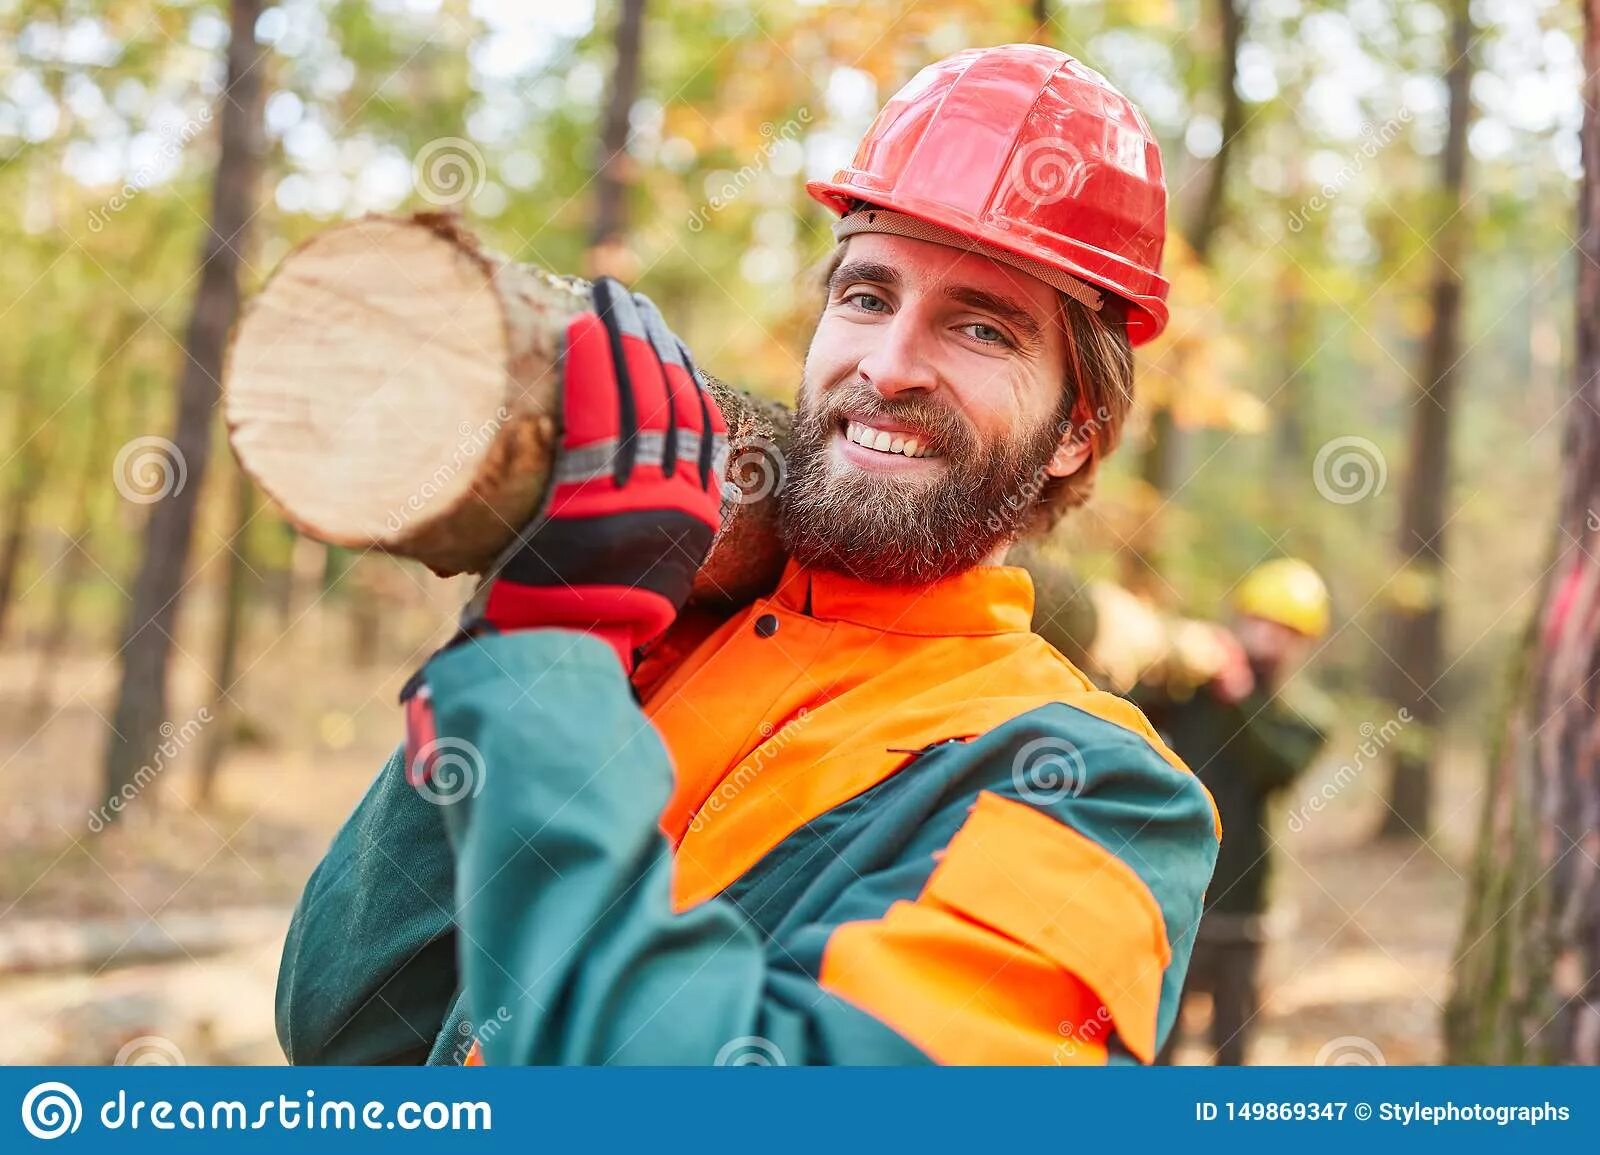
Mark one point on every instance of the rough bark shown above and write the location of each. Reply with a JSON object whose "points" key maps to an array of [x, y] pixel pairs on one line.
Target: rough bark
{"points": [[1527, 975], [147, 645], [1413, 659]]}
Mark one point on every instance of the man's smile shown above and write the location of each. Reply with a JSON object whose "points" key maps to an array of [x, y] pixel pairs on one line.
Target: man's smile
{"points": [[883, 444]]}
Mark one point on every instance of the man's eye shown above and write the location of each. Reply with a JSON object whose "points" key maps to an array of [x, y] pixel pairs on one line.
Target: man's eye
{"points": [[988, 334], [870, 302]]}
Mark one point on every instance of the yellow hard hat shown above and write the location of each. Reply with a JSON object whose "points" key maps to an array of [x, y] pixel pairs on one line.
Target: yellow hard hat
{"points": [[1288, 591]]}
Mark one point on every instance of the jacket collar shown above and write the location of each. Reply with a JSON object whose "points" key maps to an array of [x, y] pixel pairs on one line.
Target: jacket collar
{"points": [[978, 601]]}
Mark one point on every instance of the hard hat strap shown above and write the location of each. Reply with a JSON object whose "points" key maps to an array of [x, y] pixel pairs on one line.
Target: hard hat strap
{"points": [[870, 219]]}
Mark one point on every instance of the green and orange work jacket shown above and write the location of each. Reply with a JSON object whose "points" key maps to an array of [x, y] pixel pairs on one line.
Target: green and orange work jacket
{"points": [[849, 824]]}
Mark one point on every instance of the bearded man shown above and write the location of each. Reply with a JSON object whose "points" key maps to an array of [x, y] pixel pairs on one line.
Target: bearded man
{"points": [[872, 817]]}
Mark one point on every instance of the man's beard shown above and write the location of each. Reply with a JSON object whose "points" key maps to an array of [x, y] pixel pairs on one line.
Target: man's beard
{"points": [[908, 531]]}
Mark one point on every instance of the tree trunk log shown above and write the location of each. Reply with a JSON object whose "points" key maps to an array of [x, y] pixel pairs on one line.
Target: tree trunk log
{"points": [[1413, 662], [394, 387], [158, 588]]}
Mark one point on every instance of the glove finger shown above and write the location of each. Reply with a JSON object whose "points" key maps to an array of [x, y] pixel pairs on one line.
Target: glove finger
{"points": [[713, 429], [681, 414], [589, 395], [642, 389]]}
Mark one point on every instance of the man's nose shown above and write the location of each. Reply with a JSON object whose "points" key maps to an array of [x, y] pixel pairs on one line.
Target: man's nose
{"points": [[899, 363]]}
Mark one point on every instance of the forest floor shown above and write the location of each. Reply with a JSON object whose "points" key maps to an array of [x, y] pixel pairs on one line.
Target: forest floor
{"points": [[160, 938]]}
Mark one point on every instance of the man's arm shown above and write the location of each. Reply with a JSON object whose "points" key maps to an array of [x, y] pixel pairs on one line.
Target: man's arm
{"points": [[1273, 738], [369, 966], [1013, 927]]}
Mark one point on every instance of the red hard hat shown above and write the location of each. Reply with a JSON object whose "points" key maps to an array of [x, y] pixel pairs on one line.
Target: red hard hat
{"points": [[1024, 150]]}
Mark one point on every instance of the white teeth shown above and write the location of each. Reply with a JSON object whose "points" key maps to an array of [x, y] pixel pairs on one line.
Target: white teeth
{"points": [[885, 442]]}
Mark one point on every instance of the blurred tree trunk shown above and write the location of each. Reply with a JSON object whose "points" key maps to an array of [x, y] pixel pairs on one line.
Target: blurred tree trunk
{"points": [[608, 251], [1527, 974], [1159, 465], [66, 582], [1291, 443], [1413, 661], [91, 481], [148, 638], [219, 731], [25, 476], [1039, 11]]}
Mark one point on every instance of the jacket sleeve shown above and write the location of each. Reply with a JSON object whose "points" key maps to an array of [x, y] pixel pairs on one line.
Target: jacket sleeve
{"points": [[369, 970], [1275, 740], [571, 952]]}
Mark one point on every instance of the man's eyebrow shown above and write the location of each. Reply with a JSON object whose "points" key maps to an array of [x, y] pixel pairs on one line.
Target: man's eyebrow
{"points": [[870, 272], [1007, 309]]}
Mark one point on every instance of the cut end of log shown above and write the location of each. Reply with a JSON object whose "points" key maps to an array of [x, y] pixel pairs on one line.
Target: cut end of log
{"points": [[378, 326]]}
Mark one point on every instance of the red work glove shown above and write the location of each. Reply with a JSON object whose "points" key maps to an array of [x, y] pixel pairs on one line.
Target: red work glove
{"points": [[634, 498]]}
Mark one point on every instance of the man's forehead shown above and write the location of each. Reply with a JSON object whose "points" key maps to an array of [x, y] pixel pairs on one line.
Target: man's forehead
{"points": [[926, 265]]}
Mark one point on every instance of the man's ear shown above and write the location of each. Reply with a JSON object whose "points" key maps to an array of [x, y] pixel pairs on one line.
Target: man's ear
{"points": [[1069, 456]]}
